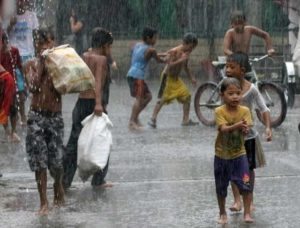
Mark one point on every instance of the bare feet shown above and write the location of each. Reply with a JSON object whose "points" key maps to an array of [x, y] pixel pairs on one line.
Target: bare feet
{"points": [[134, 126], [44, 210], [236, 207], [139, 123], [105, 185], [223, 219], [14, 138], [59, 193], [248, 218]]}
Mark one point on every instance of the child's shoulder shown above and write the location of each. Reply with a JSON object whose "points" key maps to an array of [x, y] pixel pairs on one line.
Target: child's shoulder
{"points": [[244, 109], [220, 109]]}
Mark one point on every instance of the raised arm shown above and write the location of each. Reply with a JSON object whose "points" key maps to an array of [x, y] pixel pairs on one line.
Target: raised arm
{"points": [[35, 71], [76, 26], [152, 53]]}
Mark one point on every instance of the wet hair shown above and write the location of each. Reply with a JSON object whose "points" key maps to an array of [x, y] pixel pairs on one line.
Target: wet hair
{"points": [[241, 59], [41, 35], [100, 37], [237, 16], [190, 38], [148, 32], [229, 81], [4, 37]]}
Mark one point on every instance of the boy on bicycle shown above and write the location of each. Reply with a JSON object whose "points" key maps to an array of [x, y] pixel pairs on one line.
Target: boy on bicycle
{"points": [[238, 38]]}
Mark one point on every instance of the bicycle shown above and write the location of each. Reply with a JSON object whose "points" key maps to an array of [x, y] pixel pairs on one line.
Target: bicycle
{"points": [[207, 96]]}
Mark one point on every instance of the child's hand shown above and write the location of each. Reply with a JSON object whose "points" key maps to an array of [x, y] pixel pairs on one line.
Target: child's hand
{"points": [[243, 126], [268, 134], [98, 110]]}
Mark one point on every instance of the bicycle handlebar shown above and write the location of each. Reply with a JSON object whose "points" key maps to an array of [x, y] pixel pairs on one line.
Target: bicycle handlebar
{"points": [[257, 59]]}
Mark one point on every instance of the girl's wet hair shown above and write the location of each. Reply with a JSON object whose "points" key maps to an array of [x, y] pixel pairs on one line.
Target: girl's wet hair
{"points": [[148, 32], [229, 81], [241, 59], [237, 16], [43, 35], [100, 37], [190, 38]]}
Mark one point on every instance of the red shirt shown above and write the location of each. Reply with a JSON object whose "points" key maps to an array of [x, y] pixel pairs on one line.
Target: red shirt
{"points": [[11, 60]]}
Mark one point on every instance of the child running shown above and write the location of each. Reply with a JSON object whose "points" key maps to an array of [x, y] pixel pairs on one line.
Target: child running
{"points": [[141, 54], [45, 126], [230, 163], [172, 87], [237, 66]]}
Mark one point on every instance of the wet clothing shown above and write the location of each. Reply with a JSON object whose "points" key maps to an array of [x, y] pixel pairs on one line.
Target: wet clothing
{"points": [[235, 170], [171, 88], [21, 33], [250, 99], [82, 109], [230, 145], [138, 87], [44, 141], [11, 61], [138, 61], [7, 93]]}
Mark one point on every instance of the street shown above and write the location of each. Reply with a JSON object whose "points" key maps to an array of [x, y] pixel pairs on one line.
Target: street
{"points": [[162, 177]]}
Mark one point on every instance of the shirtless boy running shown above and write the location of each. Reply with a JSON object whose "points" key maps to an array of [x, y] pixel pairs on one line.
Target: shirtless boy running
{"points": [[172, 87]]}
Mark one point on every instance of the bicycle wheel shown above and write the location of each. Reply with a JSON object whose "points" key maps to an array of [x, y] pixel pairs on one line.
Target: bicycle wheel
{"points": [[207, 98], [274, 99]]}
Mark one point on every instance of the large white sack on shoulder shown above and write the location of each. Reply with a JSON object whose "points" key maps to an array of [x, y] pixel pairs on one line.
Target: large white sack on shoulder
{"points": [[94, 145], [68, 71]]}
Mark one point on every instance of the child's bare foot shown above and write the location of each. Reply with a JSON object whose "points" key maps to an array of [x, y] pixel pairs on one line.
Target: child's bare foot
{"points": [[134, 126], [44, 210], [14, 138], [139, 123], [59, 194], [223, 219], [248, 218], [236, 207], [104, 185]]}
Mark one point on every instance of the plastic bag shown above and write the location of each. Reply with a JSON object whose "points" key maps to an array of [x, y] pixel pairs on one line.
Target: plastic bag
{"points": [[68, 71], [94, 145]]}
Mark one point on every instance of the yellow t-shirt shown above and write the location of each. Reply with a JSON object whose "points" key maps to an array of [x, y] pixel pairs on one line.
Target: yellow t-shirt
{"points": [[230, 145]]}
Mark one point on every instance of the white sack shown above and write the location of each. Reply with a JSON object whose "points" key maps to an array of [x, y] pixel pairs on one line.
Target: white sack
{"points": [[94, 145]]}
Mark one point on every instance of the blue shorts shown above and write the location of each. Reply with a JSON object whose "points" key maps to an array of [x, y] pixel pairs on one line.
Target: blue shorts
{"points": [[235, 170]]}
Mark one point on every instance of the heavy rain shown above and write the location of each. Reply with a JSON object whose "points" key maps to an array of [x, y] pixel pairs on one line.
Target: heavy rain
{"points": [[166, 139]]}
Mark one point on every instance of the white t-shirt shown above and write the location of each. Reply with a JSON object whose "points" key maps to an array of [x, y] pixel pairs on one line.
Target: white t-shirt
{"points": [[21, 34]]}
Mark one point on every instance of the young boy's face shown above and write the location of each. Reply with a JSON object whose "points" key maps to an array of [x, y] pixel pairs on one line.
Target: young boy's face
{"points": [[107, 49], [232, 95], [188, 48], [152, 41], [233, 69], [238, 25]]}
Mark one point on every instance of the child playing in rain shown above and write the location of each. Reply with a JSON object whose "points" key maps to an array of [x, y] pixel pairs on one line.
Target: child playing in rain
{"points": [[90, 101], [230, 163], [172, 87], [141, 54], [11, 61], [45, 127], [237, 66], [238, 38]]}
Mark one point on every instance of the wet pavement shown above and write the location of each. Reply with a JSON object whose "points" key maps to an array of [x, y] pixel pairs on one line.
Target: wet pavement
{"points": [[162, 177]]}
